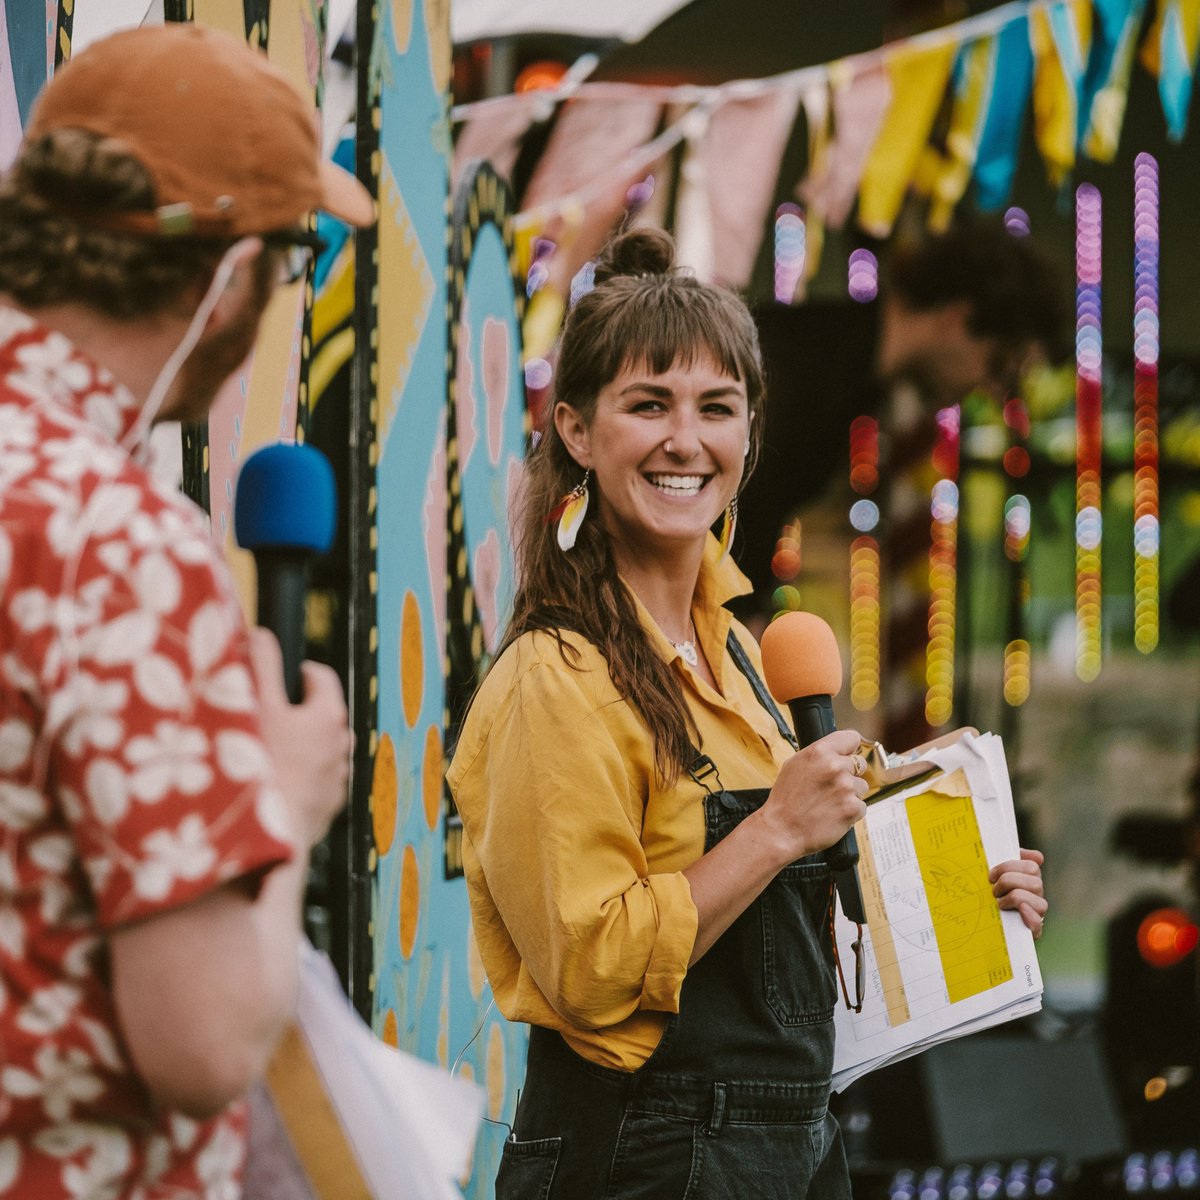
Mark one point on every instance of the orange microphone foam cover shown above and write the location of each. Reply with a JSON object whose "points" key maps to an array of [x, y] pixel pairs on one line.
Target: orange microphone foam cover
{"points": [[801, 657]]}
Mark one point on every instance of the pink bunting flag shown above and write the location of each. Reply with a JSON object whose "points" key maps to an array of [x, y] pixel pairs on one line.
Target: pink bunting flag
{"points": [[745, 142], [493, 133], [590, 142], [860, 104]]}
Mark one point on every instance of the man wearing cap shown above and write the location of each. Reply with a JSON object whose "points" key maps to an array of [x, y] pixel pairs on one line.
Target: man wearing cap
{"points": [[158, 795]]}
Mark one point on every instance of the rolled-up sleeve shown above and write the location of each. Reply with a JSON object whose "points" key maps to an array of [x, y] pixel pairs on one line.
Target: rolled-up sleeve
{"points": [[551, 783]]}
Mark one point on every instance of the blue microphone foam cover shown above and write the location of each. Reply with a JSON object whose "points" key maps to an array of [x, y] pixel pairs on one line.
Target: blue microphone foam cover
{"points": [[286, 499]]}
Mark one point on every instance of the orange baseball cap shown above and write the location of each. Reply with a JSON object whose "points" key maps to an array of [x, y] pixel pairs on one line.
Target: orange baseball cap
{"points": [[230, 144]]}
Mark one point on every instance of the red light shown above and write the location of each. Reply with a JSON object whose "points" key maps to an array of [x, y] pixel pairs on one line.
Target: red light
{"points": [[1016, 461], [540, 76], [1166, 937]]}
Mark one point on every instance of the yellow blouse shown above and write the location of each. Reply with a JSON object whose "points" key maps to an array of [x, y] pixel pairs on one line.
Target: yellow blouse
{"points": [[574, 852]]}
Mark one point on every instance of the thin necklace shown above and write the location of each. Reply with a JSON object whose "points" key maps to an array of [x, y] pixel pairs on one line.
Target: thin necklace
{"points": [[687, 650]]}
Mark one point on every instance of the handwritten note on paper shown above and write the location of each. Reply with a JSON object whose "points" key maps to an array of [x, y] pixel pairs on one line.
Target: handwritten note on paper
{"points": [[964, 914]]}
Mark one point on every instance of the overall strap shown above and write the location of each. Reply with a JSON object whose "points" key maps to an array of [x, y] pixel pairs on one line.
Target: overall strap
{"points": [[703, 769], [742, 661]]}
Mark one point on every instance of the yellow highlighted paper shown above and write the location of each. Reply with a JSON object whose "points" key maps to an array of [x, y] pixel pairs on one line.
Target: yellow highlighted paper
{"points": [[964, 913]]}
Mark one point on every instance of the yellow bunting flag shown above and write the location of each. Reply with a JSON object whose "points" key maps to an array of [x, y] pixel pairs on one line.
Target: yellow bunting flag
{"points": [[1061, 38], [943, 175], [918, 78]]}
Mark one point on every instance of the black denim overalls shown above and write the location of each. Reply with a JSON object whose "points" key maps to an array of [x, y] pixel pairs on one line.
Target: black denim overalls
{"points": [[734, 1100]]}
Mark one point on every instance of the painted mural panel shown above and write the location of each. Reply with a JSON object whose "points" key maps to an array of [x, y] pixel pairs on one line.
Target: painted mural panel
{"points": [[446, 457]]}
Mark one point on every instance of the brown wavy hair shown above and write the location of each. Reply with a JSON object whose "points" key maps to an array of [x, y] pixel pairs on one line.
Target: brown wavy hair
{"points": [[52, 252], [642, 311]]}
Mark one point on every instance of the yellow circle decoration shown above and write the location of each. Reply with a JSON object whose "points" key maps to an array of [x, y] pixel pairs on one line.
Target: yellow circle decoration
{"points": [[410, 901], [385, 794], [412, 660], [431, 776]]}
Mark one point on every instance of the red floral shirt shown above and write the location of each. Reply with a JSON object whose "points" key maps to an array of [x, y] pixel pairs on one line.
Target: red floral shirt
{"points": [[133, 777]]}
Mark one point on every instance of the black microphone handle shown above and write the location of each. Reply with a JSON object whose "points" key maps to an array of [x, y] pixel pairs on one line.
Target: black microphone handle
{"points": [[282, 596], [812, 718]]}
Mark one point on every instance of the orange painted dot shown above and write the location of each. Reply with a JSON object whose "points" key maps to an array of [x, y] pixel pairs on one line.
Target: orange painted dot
{"points": [[410, 901], [412, 660], [385, 791], [391, 1028], [431, 776]]}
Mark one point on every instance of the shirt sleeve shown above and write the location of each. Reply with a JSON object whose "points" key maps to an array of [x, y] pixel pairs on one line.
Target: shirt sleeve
{"points": [[157, 757], [552, 802]]}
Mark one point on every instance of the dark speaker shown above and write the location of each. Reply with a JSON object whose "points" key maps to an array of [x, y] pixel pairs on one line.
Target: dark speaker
{"points": [[1004, 1097]]}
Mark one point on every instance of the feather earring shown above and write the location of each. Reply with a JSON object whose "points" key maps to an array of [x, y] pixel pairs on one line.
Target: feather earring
{"points": [[728, 525], [570, 511]]}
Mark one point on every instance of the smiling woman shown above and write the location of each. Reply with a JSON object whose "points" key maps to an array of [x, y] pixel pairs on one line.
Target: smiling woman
{"points": [[642, 844]]}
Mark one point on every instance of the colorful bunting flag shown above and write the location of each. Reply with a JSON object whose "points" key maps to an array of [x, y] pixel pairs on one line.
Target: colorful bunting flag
{"points": [[1061, 38], [1169, 52], [943, 174], [745, 142], [1000, 139], [918, 76], [860, 103], [1106, 80]]}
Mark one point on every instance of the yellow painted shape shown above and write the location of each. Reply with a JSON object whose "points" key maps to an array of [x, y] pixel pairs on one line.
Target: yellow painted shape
{"points": [[410, 901], [437, 27], [385, 790], [883, 945], [391, 1028], [412, 660], [964, 913], [432, 770], [405, 295], [402, 19], [226, 15]]}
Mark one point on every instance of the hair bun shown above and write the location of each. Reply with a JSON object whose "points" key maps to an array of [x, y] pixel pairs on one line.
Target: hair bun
{"points": [[641, 251]]}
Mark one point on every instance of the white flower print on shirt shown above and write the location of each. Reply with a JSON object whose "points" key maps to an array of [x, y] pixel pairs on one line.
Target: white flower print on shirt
{"points": [[185, 854], [49, 366], [124, 639], [208, 636], [72, 458], [16, 741], [18, 428], [173, 758], [160, 683], [63, 1080], [21, 807], [106, 787], [10, 1162], [48, 1009], [219, 1164], [12, 932], [103, 1175], [89, 711], [157, 583], [229, 689]]}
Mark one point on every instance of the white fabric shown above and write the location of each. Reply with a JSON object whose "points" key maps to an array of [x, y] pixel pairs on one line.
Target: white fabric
{"points": [[95, 19], [629, 20]]}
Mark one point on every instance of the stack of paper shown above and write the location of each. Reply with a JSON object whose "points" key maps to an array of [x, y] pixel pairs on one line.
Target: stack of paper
{"points": [[941, 958]]}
